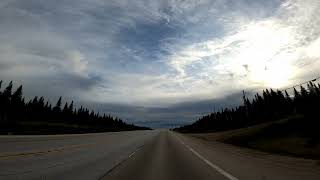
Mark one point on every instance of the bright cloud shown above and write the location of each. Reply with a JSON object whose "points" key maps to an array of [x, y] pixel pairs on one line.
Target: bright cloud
{"points": [[262, 53], [157, 53]]}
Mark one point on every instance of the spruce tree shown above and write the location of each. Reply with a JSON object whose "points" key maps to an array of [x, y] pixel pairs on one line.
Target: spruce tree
{"points": [[8, 91], [71, 107], [57, 108], [17, 95], [65, 108]]}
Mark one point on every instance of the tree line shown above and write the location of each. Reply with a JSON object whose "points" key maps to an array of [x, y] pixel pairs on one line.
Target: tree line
{"points": [[38, 116], [269, 106]]}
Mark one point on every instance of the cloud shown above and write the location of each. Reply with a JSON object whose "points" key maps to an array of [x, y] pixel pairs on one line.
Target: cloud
{"points": [[169, 116], [270, 46], [157, 53]]}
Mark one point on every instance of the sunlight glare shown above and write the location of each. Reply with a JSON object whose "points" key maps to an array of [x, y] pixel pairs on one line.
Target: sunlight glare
{"points": [[265, 55]]}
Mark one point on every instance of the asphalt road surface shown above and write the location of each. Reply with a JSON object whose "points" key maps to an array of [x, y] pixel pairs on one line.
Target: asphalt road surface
{"points": [[142, 155]]}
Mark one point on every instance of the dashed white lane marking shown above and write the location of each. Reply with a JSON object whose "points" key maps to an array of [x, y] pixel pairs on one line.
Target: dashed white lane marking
{"points": [[217, 168], [134, 152], [121, 162]]}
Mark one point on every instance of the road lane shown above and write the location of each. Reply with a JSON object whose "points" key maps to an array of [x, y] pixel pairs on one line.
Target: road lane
{"points": [[215, 167], [143, 155], [164, 158], [249, 164], [176, 156], [85, 156]]}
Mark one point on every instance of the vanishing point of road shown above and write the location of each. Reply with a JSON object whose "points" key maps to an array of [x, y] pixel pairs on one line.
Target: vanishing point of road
{"points": [[142, 155]]}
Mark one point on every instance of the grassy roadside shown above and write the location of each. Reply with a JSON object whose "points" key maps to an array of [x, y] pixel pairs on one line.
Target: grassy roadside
{"points": [[286, 137]]}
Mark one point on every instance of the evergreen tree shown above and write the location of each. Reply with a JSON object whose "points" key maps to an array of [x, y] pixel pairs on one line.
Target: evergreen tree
{"points": [[66, 108], [57, 108], [303, 91], [17, 95], [288, 98], [14, 110], [8, 91], [272, 105], [71, 107]]}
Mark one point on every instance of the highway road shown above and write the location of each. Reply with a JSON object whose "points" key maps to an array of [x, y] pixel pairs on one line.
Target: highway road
{"points": [[143, 155]]}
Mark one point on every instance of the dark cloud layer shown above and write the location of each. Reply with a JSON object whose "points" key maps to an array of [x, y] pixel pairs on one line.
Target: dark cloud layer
{"points": [[171, 116], [159, 63]]}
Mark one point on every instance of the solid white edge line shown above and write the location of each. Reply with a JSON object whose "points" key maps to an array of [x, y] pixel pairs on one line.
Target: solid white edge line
{"points": [[217, 168]]}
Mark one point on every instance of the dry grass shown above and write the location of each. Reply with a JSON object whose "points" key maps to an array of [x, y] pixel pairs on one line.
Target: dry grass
{"points": [[266, 137]]}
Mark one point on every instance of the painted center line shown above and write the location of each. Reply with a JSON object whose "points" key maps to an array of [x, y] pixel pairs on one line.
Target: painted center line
{"points": [[217, 168], [121, 162]]}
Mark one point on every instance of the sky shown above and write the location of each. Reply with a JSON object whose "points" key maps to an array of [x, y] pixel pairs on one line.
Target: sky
{"points": [[157, 63]]}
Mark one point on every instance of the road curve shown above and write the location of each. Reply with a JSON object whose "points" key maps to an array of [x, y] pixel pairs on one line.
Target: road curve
{"points": [[142, 155]]}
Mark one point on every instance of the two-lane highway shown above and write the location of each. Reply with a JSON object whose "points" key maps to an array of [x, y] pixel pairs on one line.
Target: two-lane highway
{"points": [[164, 158], [175, 156], [143, 155], [84, 156]]}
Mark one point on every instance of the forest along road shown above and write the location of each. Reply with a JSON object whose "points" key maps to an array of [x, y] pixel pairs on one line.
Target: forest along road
{"points": [[143, 155]]}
